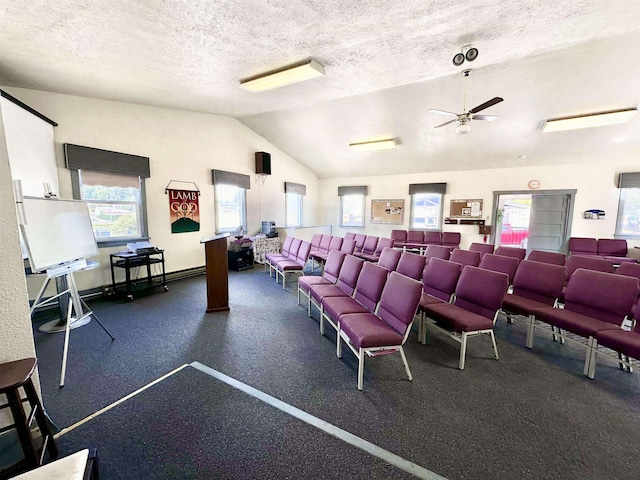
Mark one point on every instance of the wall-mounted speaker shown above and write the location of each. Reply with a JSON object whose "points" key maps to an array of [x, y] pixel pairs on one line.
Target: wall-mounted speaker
{"points": [[263, 163]]}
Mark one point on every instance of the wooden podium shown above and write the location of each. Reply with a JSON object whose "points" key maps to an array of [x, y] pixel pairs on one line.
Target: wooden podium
{"points": [[217, 268]]}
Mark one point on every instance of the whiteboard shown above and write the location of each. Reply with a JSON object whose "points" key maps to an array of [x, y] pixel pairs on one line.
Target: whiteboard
{"points": [[57, 231]]}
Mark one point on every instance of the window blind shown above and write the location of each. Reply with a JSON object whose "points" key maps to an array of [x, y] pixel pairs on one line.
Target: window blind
{"points": [[298, 188], [440, 188], [97, 160], [629, 180], [231, 178], [353, 190]]}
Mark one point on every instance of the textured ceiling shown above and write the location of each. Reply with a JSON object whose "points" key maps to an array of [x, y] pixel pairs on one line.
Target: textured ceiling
{"points": [[191, 54]]}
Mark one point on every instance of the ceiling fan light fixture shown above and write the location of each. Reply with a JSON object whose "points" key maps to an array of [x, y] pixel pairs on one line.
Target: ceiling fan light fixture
{"points": [[590, 120], [284, 76], [463, 128], [386, 144]]}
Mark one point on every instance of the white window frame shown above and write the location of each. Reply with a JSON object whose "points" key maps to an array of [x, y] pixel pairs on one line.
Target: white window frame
{"points": [[243, 208], [297, 198], [342, 212], [439, 219]]}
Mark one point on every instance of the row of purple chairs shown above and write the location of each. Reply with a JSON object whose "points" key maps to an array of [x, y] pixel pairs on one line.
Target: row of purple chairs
{"points": [[553, 258], [321, 245], [613, 249], [419, 240], [291, 260]]}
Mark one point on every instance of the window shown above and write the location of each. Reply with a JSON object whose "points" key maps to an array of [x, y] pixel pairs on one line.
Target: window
{"points": [[115, 204], [426, 205], [293, 210], [628, 222], [352, 211], [231, 208]]}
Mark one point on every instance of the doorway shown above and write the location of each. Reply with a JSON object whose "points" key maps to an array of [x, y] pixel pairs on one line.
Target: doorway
{"points": [[533, 220]]}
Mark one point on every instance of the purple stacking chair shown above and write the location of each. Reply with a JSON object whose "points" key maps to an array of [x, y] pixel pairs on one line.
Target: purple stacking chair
{"points": [[291, 254], [483, 248], [399, 237], [323, 249], [272, 258], [614, 249], [359, 238], [632, 270], [389, 258], [432, 238], [387, 330], [597, 264], [293, 266], [553, 258], [535, 285], [348, 246], [465, 257], [415, 240], [513, 252], [368, 247], [334, 244], [594, 302], [474, 310], [583, 246], [315, 242], [451, 239], [624, 342], [346, 285], [437, 251], [439, 280], [349, 236], [498, 263], [367, 295], [375, 256], [411, 265], [329, 276]]}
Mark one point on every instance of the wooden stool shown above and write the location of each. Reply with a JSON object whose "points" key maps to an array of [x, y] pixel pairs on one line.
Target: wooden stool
{"points": [[14, 375]]}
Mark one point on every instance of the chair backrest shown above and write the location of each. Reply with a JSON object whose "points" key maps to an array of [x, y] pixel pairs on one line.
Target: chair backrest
{"points": [[389, 258], [588, 263], [538, 281], [498, 263], [440, 277], [303, 253], [293, 250], [325, 241], [349, 236], [465, 257], [554, 258], [333, 265], [481, 291], [336, 243], [632, 270], [359, 238], [612, 247], [399, 302], [286, 245], [604, 296], [370, 284], [349, 273], [315, 241], [432, 238], [415, 236], [451, 239], [370, 243], [483, 248], [382, 244], [437, 251], [583, 245], [348, 246], [411, 265], [399, 235], [513, 252]]}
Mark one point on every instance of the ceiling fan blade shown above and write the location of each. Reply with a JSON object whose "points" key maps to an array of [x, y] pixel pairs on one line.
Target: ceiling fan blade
{"points": [[487, 118], [445, 123], [488, 104], [442, 112]]}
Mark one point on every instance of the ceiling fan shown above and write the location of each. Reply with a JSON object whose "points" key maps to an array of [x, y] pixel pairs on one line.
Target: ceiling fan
{"points": [[463, 119]]}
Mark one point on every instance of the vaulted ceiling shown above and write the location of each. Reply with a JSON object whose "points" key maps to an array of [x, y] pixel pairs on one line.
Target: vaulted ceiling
{"points": [[387, 62]]}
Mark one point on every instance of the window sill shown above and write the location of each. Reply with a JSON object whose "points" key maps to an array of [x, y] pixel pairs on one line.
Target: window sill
{"points": [[351, 226], [120, 242]]}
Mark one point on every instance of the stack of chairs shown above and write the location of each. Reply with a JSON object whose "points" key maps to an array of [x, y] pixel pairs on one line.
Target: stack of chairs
{"points": [[289, 250], [293, 265]]}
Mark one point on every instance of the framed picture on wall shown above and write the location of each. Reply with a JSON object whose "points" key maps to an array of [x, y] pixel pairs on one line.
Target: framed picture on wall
{"points": [[387, 211]]}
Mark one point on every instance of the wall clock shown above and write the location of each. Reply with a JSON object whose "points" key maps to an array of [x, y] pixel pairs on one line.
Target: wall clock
{"points": [[533, 184]]}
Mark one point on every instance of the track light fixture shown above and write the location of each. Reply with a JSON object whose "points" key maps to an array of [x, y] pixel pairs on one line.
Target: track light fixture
{"points": [[468, 52]]}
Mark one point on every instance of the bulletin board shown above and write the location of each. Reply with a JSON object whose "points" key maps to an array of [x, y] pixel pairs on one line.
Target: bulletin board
{"points": [[387, 211], [466, 209]]}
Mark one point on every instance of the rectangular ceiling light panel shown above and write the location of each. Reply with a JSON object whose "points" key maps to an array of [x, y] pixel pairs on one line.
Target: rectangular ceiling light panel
{"points": [[286, 76], [373, 145], [587, 121]]}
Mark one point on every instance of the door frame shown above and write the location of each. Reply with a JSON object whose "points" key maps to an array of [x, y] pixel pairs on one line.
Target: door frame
{"points": [[568, 220]]}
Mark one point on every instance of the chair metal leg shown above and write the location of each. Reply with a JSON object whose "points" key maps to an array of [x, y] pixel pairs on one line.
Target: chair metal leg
{"points": [[309, 304], [406, 364], [629, 367], [321, 320], [495, 347], [284, 279], [360, 368], [421, 315], [592, 361], [588, 357], [338, 343], [463, 350], [531, 332]]}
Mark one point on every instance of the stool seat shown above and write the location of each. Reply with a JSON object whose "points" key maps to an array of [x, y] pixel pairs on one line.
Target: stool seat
{"points": [[15, 374]]}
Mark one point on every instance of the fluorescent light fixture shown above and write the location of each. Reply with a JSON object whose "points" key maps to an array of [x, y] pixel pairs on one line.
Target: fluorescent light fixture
{"points": [[591, 120], [387, 144], [284, 76]]}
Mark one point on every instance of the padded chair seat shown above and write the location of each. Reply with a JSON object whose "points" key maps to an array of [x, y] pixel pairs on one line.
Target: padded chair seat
{"points": [[369, 257], [521, 305], [306, 282], [427, 299], [274, 258], [622, 341], [335, 307], [573, 322], [318, 292], [288, 265], [457, 319], [618, 260], [367, 330], [320, 256]]}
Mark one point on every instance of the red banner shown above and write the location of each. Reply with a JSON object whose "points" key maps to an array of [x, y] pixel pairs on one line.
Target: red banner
{"points": [[184, 211]]}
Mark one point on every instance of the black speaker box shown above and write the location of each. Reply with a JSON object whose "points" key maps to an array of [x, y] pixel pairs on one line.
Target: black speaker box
{"points": [[263, 163]]}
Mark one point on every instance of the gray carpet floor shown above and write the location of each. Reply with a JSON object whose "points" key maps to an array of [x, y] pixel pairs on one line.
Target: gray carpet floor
{"points": [[532, 414]]}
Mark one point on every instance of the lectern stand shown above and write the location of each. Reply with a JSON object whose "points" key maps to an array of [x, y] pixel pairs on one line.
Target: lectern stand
{"points": [[217, 268]]}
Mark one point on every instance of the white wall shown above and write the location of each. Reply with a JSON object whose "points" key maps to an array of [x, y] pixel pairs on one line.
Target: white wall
{"points": [[595, 185], [181, 146]]}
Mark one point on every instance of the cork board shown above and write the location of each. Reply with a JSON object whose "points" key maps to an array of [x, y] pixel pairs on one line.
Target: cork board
{"points": [[387, 211], [466, 209]]}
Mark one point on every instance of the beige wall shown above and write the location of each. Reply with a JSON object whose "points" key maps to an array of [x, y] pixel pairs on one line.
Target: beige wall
{"points": [[595, 185]]}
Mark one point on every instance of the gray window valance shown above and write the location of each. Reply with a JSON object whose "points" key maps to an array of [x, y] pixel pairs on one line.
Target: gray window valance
{"points": [[353, 190], [298, 188], [629, 180], [440, 188], [231, 178], [95, 159]]}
